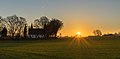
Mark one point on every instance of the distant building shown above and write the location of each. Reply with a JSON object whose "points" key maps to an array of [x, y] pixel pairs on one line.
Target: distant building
{"points": [[35, 32]]}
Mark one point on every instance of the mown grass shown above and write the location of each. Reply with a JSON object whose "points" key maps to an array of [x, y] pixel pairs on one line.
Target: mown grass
{"points": [[65, 48]]}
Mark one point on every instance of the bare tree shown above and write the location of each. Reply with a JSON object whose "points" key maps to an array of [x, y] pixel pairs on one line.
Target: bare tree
{"points": [[40, 23], [97, 32], [1, 23], [14, 24]]}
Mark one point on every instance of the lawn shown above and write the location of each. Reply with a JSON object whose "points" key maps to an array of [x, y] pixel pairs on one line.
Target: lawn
{"points": [[64, 48]]}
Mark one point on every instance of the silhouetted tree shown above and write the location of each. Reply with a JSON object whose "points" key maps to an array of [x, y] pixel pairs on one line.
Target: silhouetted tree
{"points": [[25, 31], [97, 32], [53, 27], [1, 23], [40, 23], [31, 26], [44, 21], [4, 32], [14, 24]]}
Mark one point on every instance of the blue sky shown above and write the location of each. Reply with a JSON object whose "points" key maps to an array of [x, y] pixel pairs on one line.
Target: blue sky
{"points": [[77, 15]]}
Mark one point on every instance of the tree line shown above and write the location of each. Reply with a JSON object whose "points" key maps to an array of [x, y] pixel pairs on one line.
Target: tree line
{"points": [[98, 32], [16, 26]]}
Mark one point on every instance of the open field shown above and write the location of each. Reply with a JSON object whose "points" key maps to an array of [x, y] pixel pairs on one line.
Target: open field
{"points": [[65, 48]]}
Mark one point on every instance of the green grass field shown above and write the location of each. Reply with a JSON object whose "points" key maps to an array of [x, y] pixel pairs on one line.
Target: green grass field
{"points": [[64, 48]]}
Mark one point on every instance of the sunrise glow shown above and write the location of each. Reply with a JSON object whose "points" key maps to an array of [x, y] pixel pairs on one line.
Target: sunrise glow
{"points": [[78, 33]]}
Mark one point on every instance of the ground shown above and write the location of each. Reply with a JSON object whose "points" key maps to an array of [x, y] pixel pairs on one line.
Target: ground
{"points": [[64, 48]]}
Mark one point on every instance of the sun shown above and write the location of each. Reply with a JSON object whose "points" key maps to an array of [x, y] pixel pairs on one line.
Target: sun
{"points": [[78, 33]]}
